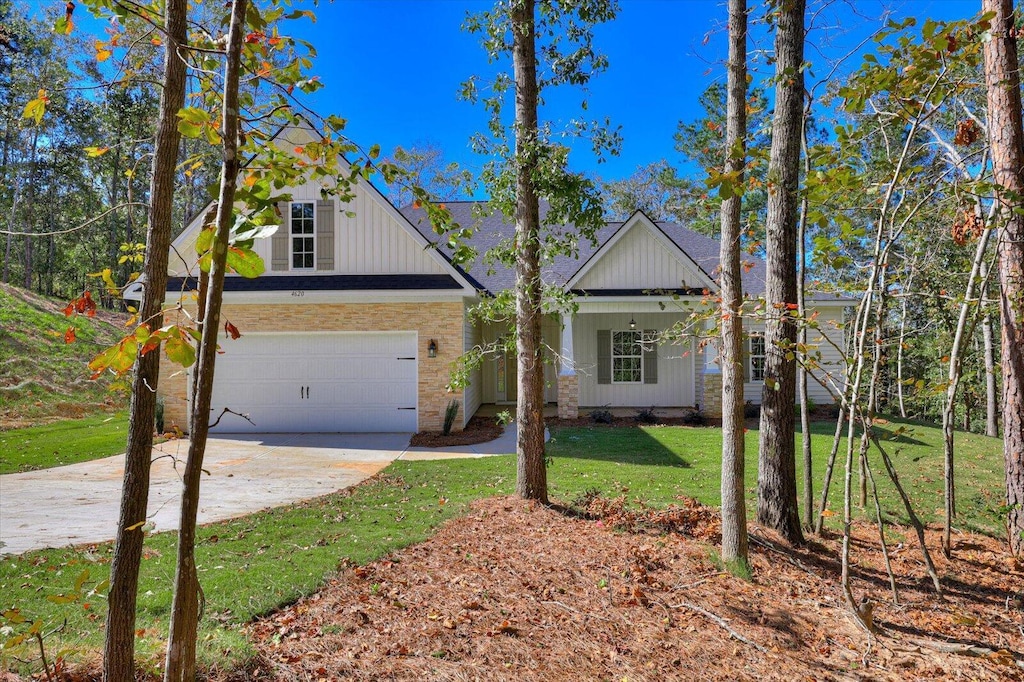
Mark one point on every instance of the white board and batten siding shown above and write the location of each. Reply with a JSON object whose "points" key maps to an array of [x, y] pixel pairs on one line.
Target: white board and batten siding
{"points": [[639, 260], [830, 358], [317, 382], [676, 364], [369, 242]]}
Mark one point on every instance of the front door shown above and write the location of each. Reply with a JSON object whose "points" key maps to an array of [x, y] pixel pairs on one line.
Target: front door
{"points": [[506, 379]]}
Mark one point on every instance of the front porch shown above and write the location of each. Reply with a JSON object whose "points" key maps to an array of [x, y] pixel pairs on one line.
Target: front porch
{"points": [[611, 354]]}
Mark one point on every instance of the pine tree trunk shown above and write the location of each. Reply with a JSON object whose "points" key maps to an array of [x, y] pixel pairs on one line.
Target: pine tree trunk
{"points": [[1006, 135], [776, 475], [531, 475], [119, 644], [734, 509]]}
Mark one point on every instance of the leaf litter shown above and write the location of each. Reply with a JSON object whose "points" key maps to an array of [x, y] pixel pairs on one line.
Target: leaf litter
{"points": [[606, 590]]}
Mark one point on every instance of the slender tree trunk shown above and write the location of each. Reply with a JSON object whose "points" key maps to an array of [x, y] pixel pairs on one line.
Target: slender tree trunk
{"points": [[734, 509], [1006, 135], [11, 227], [531, 475], [30, 208], [776, 475], [181, 648], [963, 331], [119, 645], [899, 348], [801, 301], [988, 339]]}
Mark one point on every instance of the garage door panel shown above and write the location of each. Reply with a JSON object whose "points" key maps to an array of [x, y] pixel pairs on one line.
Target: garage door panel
{"points": [[317, 382]]}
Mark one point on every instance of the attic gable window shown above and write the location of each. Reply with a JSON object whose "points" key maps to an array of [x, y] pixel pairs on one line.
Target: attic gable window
{"points": [[303, 235]]}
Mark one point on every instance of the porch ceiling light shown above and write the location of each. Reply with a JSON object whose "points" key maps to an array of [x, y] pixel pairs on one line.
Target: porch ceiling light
{"points": [[632, 323], [432, 348]]}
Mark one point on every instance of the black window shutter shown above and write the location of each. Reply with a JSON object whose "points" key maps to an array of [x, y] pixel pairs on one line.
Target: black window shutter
{"points": [[279, 251], [325, 235], [604, 356]]}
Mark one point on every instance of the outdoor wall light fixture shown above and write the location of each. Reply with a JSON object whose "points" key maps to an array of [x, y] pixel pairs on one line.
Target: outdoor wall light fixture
{"points": [[632, 323], [432, 348]]}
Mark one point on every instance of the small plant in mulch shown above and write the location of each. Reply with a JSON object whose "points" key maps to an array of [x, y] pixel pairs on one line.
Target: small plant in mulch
{"points": [[478, 430], [694, 418], [450, 413], [646, 416], [602, 417]]}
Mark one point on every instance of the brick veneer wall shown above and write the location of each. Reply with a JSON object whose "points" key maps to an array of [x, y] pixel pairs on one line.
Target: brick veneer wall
{"points": [[568, 396], [439, 321], [712, 405]]}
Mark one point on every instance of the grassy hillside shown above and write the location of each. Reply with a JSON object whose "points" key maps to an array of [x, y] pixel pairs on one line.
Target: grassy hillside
{"points": [[41, 376]]}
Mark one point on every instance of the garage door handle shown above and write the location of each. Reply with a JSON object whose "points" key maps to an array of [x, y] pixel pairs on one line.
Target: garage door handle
{"points": [[405, 358], [407, 408]]}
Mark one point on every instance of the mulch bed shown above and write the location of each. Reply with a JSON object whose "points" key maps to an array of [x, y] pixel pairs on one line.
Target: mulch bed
{"points": [[518, 591], [478, 430]]}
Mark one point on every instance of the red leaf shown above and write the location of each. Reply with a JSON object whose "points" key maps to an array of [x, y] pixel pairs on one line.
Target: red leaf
{"points": [[70, 308], [69, 335], [793, 306], [254, 37], [231, 330]]}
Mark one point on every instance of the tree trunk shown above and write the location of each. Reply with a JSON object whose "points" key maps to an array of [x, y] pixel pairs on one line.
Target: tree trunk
{"points": [[964, 330], [119, 644], [1006, 135], [734, 509], [181, 647], [531, 475], [776, 475], [902, 342], [988, 340]]}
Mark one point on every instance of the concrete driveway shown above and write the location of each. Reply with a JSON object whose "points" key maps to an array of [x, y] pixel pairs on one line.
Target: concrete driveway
{"points": [[79, 503]]}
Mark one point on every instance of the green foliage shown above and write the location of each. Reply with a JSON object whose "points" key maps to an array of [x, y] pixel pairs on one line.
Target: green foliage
{"points": [[567, 55]]}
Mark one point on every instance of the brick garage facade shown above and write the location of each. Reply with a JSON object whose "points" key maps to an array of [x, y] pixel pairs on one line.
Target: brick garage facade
{"points": [[441, 321]]}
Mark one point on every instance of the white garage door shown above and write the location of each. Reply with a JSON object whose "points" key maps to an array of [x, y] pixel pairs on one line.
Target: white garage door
{"points": [[317, 382]]}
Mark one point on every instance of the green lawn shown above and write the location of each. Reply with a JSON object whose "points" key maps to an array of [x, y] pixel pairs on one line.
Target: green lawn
{"points": [[251, 565], [63, 442], [44, 376]]}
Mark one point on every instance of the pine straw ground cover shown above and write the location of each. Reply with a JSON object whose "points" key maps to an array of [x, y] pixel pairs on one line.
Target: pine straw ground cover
{"points": [[517, 591]]}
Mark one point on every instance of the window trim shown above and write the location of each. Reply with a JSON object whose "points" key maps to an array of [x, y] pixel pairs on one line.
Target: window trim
{"points": [[639, 356], [753, 369], [302, 235]]}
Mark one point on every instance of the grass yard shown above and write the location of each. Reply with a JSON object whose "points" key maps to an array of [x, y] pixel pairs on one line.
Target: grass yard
{"points": [[656, 464], [41, 376], [252, 565], [63, 442]]}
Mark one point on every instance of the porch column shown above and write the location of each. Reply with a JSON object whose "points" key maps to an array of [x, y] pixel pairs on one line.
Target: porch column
{"points": [[712, 405], [568, 381]]}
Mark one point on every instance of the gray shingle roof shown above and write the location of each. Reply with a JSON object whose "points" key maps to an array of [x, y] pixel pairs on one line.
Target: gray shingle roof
{"points": [[491, 228]]}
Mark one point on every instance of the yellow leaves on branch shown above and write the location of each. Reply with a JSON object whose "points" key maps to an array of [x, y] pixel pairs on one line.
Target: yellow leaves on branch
{"points": [[36, 108], [103, 51]]}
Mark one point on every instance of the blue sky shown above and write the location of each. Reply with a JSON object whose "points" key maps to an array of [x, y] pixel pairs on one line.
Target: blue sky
{"points": [[393, 67]]}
